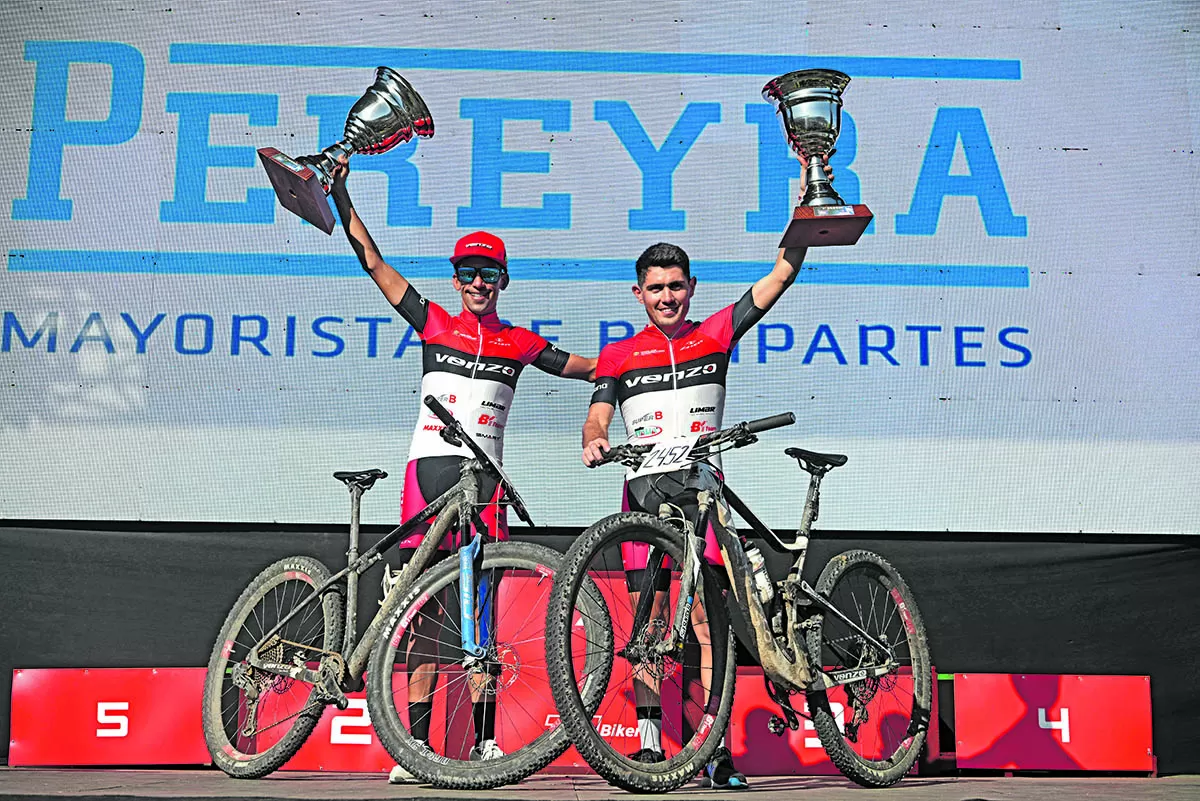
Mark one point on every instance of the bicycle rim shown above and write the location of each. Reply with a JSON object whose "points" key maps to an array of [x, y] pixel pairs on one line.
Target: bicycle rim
{"points": [[254, 721], [425, 637], [872, 728], [693, 685]]}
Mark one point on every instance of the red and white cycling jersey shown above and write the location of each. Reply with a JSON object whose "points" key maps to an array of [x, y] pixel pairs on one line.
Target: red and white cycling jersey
{"points": [[673, 387], [470, 364]]}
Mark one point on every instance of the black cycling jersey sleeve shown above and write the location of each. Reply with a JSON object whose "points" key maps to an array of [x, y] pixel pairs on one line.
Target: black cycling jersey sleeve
{"points": [[605, 390], [745, 315], [413, 308], [552, 360]]}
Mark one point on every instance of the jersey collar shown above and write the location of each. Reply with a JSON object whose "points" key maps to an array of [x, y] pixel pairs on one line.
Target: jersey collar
{"points": [[688, 327], [491, 321]]}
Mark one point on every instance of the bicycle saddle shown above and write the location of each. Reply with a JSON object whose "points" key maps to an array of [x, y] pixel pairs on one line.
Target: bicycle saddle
{"points": [[362, 478], [815, 462]]}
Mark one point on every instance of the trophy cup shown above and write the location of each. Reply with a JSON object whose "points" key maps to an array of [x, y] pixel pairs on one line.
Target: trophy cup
{"points": [[390, 113], [809, 103]]}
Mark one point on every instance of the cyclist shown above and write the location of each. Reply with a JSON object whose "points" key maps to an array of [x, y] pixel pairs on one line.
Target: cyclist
{"points": [[687, 362], [472, 361]]}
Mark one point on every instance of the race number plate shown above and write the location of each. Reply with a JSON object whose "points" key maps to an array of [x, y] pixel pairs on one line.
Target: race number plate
{"points": [[667, 455]]}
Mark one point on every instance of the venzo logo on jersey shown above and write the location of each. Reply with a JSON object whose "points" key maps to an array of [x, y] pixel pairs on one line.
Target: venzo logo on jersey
{"points": [[483, 367], [658, 378]]}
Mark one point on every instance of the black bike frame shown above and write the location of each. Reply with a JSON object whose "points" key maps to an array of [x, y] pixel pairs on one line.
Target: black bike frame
{"points": [[731, 543]]}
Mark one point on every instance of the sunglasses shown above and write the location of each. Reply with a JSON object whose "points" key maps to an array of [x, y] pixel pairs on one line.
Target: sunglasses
{"points": [[466, 275]]}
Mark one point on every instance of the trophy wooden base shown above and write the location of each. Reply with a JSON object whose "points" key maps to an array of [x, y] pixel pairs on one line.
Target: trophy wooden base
{"points": [[815, 226], [298, 188]]}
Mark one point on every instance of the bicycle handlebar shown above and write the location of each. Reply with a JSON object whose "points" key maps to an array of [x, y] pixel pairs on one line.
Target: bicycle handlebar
{"points": [[444, 415], [740, 435], [480, 454], [767, 423]]}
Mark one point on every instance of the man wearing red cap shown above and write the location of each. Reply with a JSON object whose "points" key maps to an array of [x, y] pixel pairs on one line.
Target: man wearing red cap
{"points": [[471, 364]]}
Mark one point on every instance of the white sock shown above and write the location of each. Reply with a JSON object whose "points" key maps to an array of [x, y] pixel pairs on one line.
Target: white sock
{"points": [[650, 733]]}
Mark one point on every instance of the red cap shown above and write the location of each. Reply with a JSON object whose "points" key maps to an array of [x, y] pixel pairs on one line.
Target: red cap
{"points": [[480, 243]]}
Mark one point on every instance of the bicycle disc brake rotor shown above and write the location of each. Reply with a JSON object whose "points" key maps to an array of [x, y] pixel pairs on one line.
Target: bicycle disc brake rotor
{"points": [[656, 665], [498, 671]]}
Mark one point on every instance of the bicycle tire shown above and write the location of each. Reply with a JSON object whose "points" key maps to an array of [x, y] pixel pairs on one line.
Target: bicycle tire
{"points": [[866, 588], [272, 594], [691, 728], [447, 765]]}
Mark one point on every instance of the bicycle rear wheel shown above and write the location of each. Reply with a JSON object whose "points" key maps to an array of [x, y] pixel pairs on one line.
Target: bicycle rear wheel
{"points": [[694, 686], [873, 728], [254, 721], [512, 676]]}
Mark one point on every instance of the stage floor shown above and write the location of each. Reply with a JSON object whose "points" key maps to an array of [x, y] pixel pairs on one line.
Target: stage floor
{"points": [[39, 783]]}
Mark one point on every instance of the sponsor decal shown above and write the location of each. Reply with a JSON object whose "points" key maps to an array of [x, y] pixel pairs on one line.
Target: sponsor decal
{"points": [[658, 378], [642, 432], [402, 626], [608, 731], [702, 409], [477, 366], [905, 615], [655, 415], [847, 676]]}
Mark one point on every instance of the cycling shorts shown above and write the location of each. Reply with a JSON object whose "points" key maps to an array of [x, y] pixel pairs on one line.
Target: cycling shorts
{"points": [[427, 478], [645, 494]]}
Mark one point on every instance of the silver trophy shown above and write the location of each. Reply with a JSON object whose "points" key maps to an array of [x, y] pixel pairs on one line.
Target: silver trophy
{"points": [[390, 113], [809, 103]]}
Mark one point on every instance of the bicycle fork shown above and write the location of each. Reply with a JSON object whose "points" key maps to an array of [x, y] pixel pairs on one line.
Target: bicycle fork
{"points": [[642, 645], [473, 651]]}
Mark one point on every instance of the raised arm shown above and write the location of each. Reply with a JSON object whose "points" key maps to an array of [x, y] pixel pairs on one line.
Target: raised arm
{"points": [[595, 432], [771, 286], [391, 283]]}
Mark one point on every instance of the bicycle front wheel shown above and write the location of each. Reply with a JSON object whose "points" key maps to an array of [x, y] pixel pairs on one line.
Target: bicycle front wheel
{"points": [[872, 728], [256, 721], [689, 689], [431, 712]]}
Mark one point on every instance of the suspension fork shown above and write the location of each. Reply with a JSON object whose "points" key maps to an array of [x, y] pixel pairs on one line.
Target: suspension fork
{"points": [[467, 590], [689, 578]]}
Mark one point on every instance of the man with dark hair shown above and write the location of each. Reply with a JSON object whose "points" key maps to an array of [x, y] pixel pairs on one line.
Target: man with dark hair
{"points": [[471, 364], [691, 402], [662, 255]]}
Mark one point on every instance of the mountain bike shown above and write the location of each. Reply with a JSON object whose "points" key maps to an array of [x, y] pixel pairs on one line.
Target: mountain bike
{"points": [[289, 646], [853, 646]]}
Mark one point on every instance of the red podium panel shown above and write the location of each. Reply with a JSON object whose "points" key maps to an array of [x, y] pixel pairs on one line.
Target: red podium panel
{"points": [[110, 716], [1046, 722], [145, 716], [344, 741]]}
